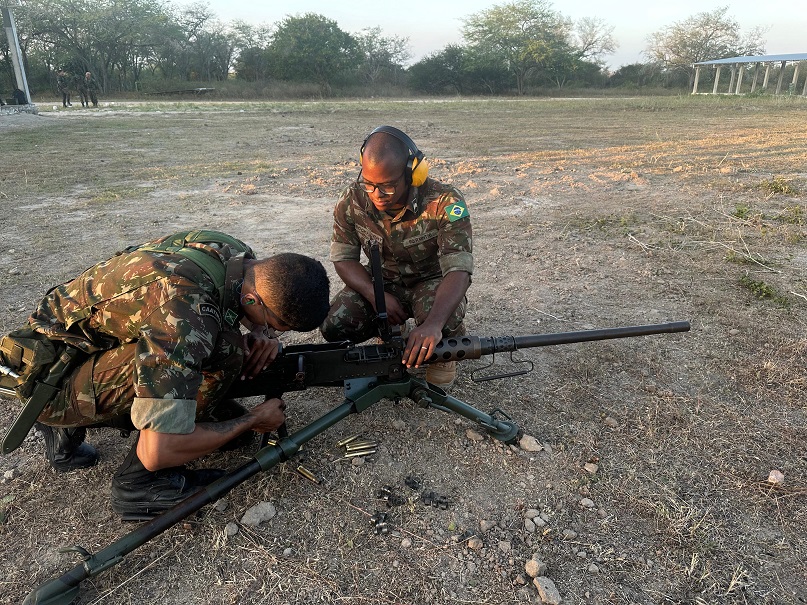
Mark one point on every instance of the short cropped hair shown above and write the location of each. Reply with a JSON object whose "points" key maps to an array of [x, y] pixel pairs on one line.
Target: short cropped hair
{"points": [[383, 147], [295, 287]]}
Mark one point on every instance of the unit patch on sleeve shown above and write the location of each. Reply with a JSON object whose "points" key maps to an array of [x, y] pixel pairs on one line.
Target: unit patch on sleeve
{"points": [[211, 311], [457, 211]]}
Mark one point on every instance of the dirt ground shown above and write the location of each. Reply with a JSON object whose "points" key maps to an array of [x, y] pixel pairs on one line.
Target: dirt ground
{"points": [[653, 484]]}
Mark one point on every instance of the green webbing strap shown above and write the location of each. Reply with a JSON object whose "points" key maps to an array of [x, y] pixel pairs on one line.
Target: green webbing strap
{"points": [[214, 267], [43, 392]]}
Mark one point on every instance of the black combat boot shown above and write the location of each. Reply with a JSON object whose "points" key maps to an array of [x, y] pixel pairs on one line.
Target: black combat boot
{"points": [[65, 448], [139, 494]]}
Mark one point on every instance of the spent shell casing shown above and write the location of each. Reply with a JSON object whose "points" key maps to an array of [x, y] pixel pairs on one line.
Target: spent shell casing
{"points": [[271, 442], [359, 453], [360, 445], [362, 448], [307, 474], [8, 371], [348, 440]]}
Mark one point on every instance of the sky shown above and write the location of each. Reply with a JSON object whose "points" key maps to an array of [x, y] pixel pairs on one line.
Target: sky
{"points": [[430, 25]]}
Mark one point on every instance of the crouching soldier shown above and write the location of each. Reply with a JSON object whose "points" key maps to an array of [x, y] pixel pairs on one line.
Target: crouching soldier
{"points": [[150, 340]]}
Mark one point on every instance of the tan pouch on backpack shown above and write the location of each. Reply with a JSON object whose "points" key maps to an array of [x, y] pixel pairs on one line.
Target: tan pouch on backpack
{"points": [[27, 353]]}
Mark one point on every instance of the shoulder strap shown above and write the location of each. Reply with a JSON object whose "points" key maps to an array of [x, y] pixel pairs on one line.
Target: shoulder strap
{"points": [[178, 241], [209, 262]]}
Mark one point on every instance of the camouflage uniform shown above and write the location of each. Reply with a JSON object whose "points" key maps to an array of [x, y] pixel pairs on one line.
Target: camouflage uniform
{"points": [[88, 89], [161, 345], [430, 237], [63, 86]]}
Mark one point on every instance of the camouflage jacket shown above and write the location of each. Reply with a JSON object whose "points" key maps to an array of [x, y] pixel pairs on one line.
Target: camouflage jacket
{"points": [[63, 82], [165, 303], [88, 85], [429, 238]]}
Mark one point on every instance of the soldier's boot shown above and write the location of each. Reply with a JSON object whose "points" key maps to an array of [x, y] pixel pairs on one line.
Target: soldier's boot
{"points": [[228, 409], [442, 374], [65, 448], [139, 494]]}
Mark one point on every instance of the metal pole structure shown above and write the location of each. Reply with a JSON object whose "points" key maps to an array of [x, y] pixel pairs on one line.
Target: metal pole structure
{"points": [[717, 80], [697, 77], [16, 53], [767, 76]]}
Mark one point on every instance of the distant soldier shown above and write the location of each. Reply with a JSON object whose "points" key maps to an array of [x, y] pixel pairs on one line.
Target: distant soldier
{"points": [[19, 97], [88, 89], [63, 86]]}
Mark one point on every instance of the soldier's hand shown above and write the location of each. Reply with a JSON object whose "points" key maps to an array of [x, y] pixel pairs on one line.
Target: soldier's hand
{"points": [[395, 311], [269, 415], [420, 344], [260, 349]]}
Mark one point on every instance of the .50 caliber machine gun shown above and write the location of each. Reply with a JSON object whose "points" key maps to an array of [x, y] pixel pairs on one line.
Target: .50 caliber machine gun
{"points": [[368, 374]]}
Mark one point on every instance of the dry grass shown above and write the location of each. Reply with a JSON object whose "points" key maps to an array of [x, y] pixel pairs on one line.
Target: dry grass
{"points": [[587, 213]]}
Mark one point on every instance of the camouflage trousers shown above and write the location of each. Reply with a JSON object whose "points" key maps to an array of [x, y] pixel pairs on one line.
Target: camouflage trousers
{"points": [[352, 317], [101, 389]]}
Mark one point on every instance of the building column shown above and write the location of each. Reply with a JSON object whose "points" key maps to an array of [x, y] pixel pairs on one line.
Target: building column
{"points": [[767, 74], [733, 78], [717, 79], [796, 76], [740, 79], [697, 77], [754, 81], [781, 77]]}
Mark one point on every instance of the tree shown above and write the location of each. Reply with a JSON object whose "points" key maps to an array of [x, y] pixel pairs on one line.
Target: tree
{"points": [[702, 37], [251, 42], [381, 58], [311, 48], [440, 72], [114, 39], [594, 38], [635, 75], [527, 36]]}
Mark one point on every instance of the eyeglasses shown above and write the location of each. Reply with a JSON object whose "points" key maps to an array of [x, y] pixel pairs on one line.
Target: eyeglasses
{"points": [[383, 189]]}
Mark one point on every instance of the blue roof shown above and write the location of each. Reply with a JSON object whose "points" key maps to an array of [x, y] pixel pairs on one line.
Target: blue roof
{"points": [[756, 59]]}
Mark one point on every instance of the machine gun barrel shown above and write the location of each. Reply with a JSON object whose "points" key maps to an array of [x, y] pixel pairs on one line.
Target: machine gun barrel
{"points": [[473, 347]]}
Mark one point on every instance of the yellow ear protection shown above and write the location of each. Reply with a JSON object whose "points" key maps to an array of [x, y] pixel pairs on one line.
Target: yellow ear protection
{"points": [[417, 168]]}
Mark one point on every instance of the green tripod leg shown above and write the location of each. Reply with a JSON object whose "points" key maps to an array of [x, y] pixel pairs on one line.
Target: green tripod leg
{"points": [[360, 394], [62, 590]]}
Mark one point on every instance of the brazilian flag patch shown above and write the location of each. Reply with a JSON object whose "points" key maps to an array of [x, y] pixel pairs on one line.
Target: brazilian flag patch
{"points": [[457, 211], [230, 317]]}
